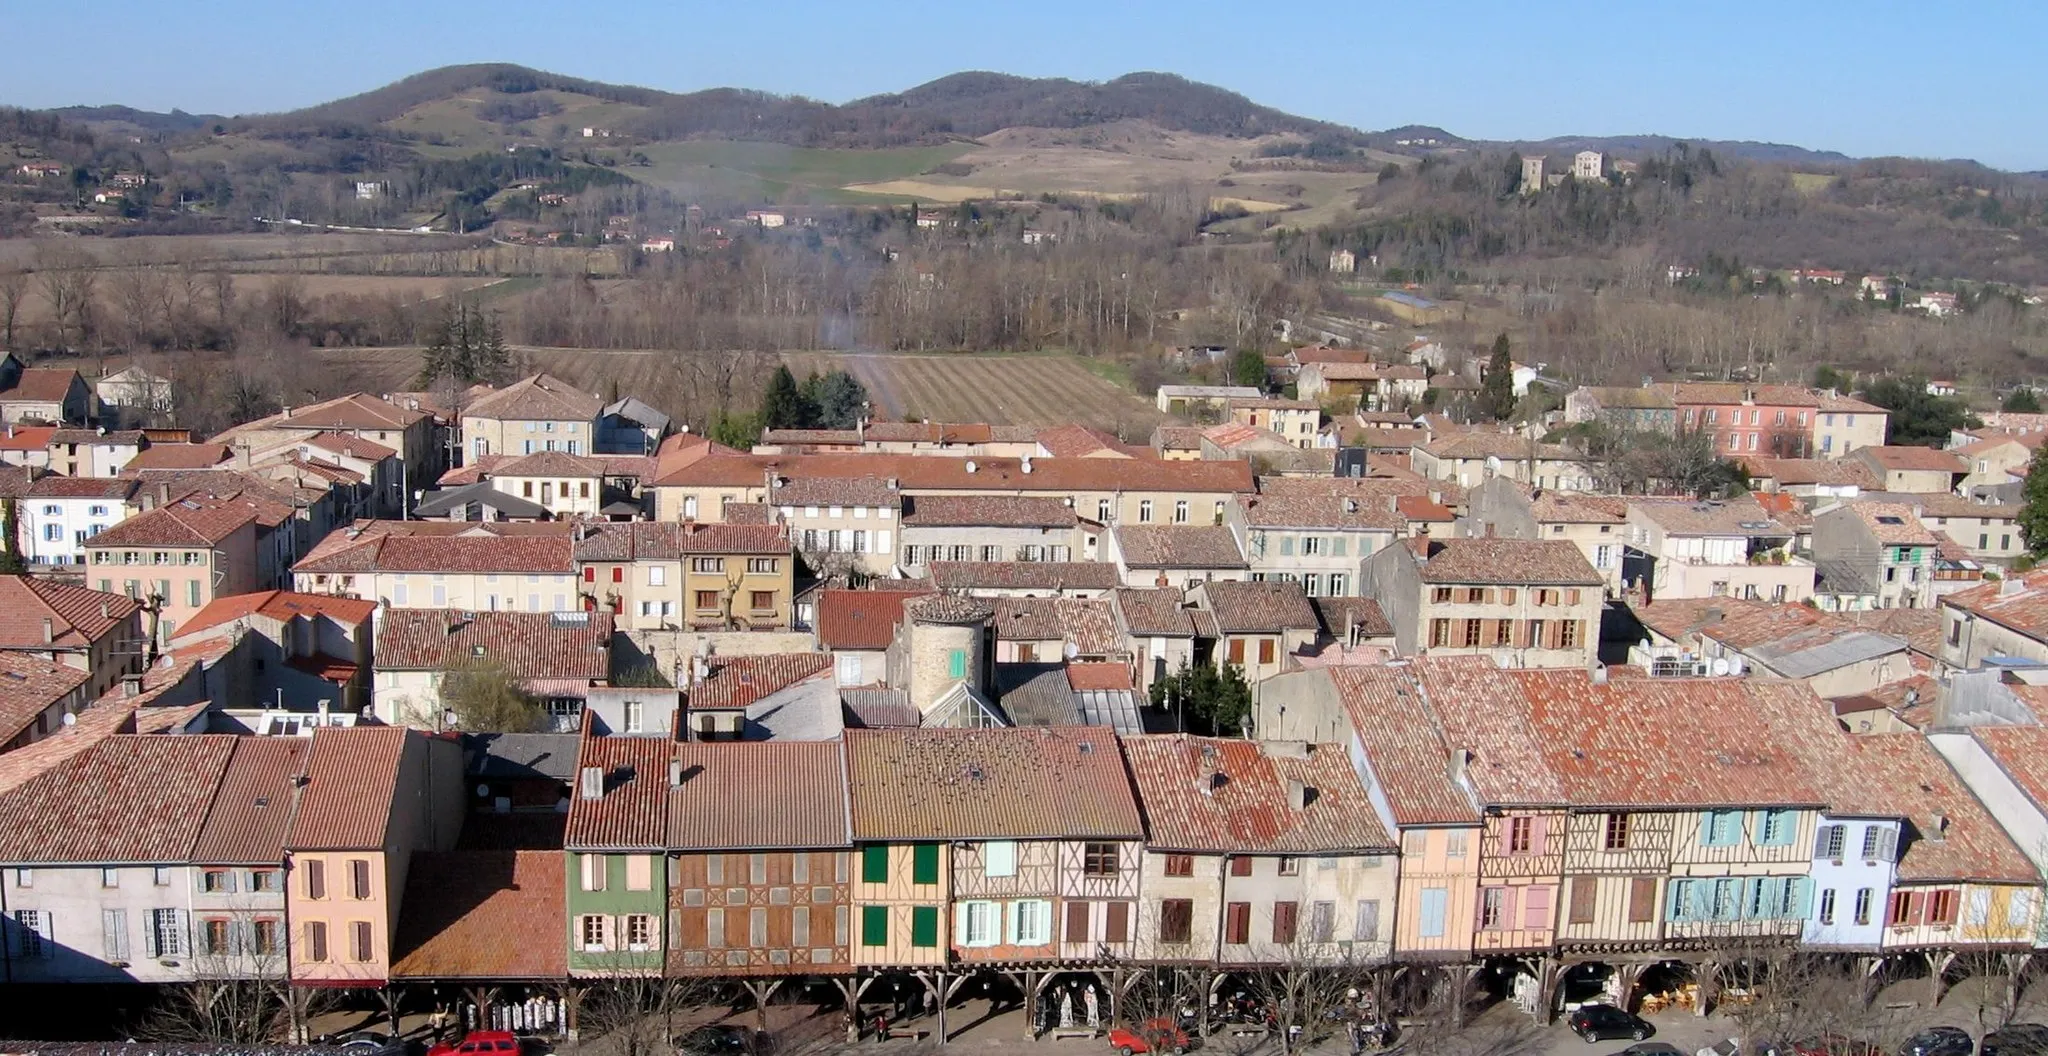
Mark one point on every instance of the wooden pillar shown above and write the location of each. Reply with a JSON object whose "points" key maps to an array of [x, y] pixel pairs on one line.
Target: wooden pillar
{"points": [[1550, 977], [762, 990], [949, 985], [299, 998], [849, 997], [1027, 982], [387, 995], [572, 1010], [1460, 978], [1870, 976], [1938, 963], [1706, 975], [484, 998], [1626, 976]]}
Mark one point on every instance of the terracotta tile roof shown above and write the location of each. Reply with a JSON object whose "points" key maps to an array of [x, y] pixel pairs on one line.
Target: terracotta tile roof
{"points": [[351, 780], [1325, 512], [1420, 508], [1272, 403], [29, 685], [1075, 441], [15, 480], [1403, 747], [1848, 404], [541, 397], [1177, 438], [1681, 743], [1258, 607], [1716, 517], [1178, 546], [671, 541], [528, 645], [1023, 575], [987, 511], [1737, 392], [184, 523], [178, 456], [1910, 699], [1326, 354], [1089, 624], [128, 799], [1363, 615], [42, 385], [555, 464], [758, 795], [846, 437], [1154, 612], [253, 808], [2020, 601], [1508, 447], [1213, 795], [1383, 478], [57, 486], [945, 433], [1098, 676], [282, 606], [737, 681], [349, 446], [1903, 776], [1563, 507], [1992, 441], [1891, 522], [1944, 504], [1785, 508], [1038, 782], [78, 616], [535, 554], [1543, 562], [834, 491], [1909, 457], [632, 814], [356, 410], [860, 619], [1056, 476], [483, 914], [1920, 628], [27, 437], [1831, 472], [867, 707]]}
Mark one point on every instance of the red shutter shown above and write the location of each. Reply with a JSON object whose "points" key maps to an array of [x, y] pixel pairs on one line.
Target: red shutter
{"points": [[1240, 866], [589, 574], [618, 573], [1077, 922], [1238, 924], [1116, 924]]}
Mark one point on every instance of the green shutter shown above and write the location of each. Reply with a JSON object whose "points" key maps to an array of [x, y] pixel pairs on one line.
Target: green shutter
{"points": [[956, 664], [924, 864], [1337, 547], [924, 926], [874, 864], [1286, 546], [874, 925]]}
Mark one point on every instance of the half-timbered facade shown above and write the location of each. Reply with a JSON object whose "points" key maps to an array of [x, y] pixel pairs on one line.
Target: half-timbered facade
{"points": [[1259, 853], [760, 859]]}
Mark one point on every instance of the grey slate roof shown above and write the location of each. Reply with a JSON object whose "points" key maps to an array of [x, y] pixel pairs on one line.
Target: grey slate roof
{"points": [[439, 502], [522, 755]]}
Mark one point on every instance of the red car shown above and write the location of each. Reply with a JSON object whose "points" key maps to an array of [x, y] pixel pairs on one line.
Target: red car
{"points": [[479, 1043], [1129, 1042]]}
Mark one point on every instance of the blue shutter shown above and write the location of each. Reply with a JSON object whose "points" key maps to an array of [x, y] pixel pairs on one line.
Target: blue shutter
{"points": [[1707, 829], [1338, 546], [1676, 895], [1433, 905], [1800, 896], [1702, 900], [1286, 546]]}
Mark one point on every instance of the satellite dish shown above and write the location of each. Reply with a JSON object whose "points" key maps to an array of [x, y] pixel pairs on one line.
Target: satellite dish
{"points": [[483, 791], [1735, 666], [1720, 666], [1072, 651], [1493, 463], [1644, 645], [70, 719]]}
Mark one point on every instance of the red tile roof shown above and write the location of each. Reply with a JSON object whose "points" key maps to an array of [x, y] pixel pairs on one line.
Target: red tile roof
{"points": [[834, 491], [483, 914], [1213, 795], [945, 473], [1405, 750], [528, 645], [42, 385], [531, 554], [670, 541], [129, 799], [1075, 441], [1023, 575], [29, 686], [1909, 457], [282, 606], [757, 795], [253, 807], [1544, 562], [737, 681], [350, 446], [632, 814], [1098, 676], [354, 411], [184, 523], [1903, 776], [2019, 601], [78, 616], [549, 464], [178, 456], [1249, 608], [860, 619], [1178, 546], [987, 511], [351, 780], [1088, 623], [27, 437], [1154, 612], [1325, 512], [1036, 782], [57, 486], [541, 397]]}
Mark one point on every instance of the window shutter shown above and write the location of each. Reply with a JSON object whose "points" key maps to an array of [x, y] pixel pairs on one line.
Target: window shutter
{"points": [[960, 924], [924, 864], [874, 864], [1916, 907], [1077, 922], [1642, 900], [1821, 838], [1116, 922], [1799, 897], [1539, 832], [1536, 908]]}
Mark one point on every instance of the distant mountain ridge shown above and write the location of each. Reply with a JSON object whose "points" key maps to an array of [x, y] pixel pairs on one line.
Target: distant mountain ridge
{"points": [[961, 105]]}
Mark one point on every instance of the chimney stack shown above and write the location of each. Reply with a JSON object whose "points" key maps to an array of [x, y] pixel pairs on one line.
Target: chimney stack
{"points": [[590, 782], [1459, 758], [675, 773], [1300, 795], [49, 630]]}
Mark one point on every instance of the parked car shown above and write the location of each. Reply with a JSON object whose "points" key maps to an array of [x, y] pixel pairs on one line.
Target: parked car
{"points": [[1938, 1041], [2017, 1039], [1651, 1048], [372, 1043], [719, 1039], [479, 1043], [1133, 1042], [1604, 1022], [1834, 1045]]}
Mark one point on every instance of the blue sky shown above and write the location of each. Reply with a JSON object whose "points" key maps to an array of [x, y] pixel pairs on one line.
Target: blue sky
{"points": [[1875, 77]]}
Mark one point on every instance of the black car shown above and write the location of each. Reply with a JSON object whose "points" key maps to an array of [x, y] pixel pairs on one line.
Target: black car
{"points": [[2018, 1039], [1938, 1041], [1651, 1048], [718, 1039], [1602, 1022]]}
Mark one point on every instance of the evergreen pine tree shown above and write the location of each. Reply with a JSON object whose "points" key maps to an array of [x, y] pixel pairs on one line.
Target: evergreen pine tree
{"points": [[1497, 386], [782, 406], [2033, 505], [11, 562]]}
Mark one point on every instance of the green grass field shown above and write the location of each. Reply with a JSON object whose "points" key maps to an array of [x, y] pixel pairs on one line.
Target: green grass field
{"points": [[772, 172]]}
